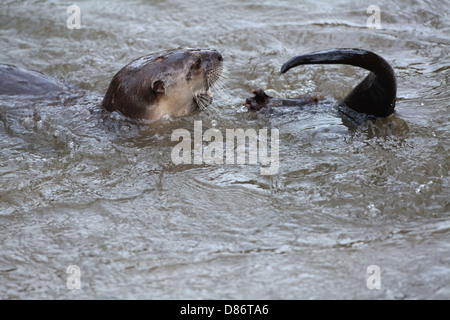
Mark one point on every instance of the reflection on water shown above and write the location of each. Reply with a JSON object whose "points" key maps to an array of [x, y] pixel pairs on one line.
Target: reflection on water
{"points": [[80, 186]]}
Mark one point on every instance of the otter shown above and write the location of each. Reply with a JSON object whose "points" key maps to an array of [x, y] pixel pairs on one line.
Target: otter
{"points": [[374, 96], [19, 81], [171, 82]]}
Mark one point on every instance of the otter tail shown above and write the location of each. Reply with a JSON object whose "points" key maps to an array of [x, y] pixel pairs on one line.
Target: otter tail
{"points": [[375, 95]]}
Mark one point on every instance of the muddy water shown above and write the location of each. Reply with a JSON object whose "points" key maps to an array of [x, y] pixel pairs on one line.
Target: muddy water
{"points": [[80, 186]]}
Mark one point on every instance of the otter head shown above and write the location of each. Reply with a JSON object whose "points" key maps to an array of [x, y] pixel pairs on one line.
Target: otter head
{"points": [[171, 82]]}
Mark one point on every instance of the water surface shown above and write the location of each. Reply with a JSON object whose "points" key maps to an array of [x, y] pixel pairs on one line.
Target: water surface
{"points": [[80, 186]]}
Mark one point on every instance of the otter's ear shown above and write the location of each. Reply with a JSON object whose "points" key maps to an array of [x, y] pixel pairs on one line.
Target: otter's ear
{"points": [[158, 86]]}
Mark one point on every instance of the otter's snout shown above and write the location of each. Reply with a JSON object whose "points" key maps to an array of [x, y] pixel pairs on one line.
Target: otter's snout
{"points": [[212, 59], [212, 65], [219, 56]]}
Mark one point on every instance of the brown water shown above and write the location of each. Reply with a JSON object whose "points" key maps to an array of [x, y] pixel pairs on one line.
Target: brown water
{"points": [[79, 186]]}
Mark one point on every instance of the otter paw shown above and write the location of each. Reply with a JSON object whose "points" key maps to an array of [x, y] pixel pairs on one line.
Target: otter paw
{"points": [[259, 101], [262, 102]]}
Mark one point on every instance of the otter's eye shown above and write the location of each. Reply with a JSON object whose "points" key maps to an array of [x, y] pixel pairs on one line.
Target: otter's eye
{"points": [[198, 64]]}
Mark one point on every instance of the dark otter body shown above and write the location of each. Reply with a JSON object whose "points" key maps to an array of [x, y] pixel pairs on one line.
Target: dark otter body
{"points": [[375, 95], [19, 81]]}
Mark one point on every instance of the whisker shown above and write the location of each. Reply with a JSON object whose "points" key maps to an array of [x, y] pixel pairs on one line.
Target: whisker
{"points": [[221, 92], [199, 100], [223, 76], [219, 86], [215, 81]]}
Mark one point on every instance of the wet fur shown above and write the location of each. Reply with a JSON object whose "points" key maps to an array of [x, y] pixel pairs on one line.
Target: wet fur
{"points": [[167, 82]]}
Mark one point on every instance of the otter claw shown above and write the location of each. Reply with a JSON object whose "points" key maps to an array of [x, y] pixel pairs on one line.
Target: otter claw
{"points": [[259, 101]]}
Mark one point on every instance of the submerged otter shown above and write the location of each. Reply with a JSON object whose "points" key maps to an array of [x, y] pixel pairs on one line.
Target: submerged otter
{"points": [[172, 82], [19, 81], [375, 95]]}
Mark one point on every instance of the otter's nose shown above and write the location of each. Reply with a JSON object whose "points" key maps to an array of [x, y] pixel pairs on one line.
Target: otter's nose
{"points": [[217, 53]]}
